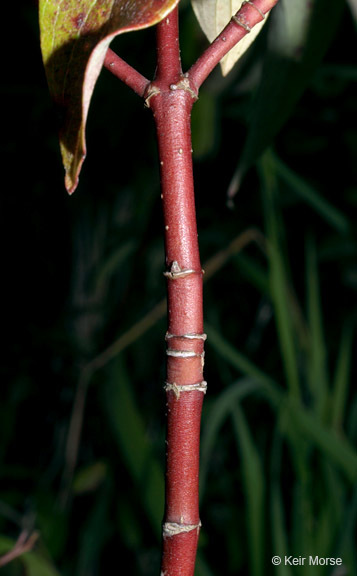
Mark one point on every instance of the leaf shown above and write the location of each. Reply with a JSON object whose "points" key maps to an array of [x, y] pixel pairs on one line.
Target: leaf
{"points": [[213, 16], [241, 362], [75, 35], [254, 489], [130, 435], [89, 478], [338, 449], [34, 563], [278, 525], [342, 377], [218, 413], [308, 194], [95, 533], [38, 566], [298, 37], [317, 372], [299, 419], [353, 7], [279, 284]]}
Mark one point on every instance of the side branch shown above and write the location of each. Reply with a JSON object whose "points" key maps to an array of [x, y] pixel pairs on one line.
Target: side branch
{"points": [[126, 73], [251, 13]]}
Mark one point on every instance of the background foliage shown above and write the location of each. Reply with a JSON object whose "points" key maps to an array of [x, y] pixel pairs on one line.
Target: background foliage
{"points": [[279, 459]]}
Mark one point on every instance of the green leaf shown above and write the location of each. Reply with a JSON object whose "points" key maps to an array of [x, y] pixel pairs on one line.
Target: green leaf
{"points": [[241, 362], [342, 377], [130, 435], [347, 536], [298, 37], [279, 284], [299, 419], [213, 16], [89, 478], [204, 124], [75, 35], [318, 379], [216, 417], [95, 533], [308, 194], [34, 563], [278, 524], [338, 449], [254, 489]]}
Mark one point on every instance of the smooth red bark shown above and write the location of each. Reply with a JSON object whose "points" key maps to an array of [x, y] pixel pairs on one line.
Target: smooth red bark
{"points": [[171, 97]]}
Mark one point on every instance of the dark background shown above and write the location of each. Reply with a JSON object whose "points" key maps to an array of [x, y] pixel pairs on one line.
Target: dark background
{"points": [[80, 271]]}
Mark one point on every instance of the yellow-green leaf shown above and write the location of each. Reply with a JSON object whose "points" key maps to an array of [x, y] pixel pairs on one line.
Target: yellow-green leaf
{"points": [[75, 35], [213, 16]]}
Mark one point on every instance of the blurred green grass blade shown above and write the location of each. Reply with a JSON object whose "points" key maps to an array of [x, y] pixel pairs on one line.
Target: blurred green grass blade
{"points": [[117, 259], [325, 534], [278, 526], [303, 540], [204, 125], [37, 566], [278, 280], [336, 489], [130, 435], [352, 420], [129, 523], [254, 489], [342, 377], [95, 534], [89, 478], [241, 362], [278, 529], [307, 193], [317, 351], [347, 535], [34, 564], [331, 514], [253, 272], [202, 568], [215, 418], [338, 450], [298, 36], [330, 518]]}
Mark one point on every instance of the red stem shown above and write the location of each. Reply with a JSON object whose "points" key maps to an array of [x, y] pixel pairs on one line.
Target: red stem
{"points": [[126, 73], [249, 15], [171, 99], [168, 48]]}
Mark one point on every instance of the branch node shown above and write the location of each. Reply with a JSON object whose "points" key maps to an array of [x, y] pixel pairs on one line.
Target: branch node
{"points": [[185, 84], [151, 91], [203, 337], [178, 388], [254, 6], [176, 271], [184, 353], [240, 23], [173, 529]]}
